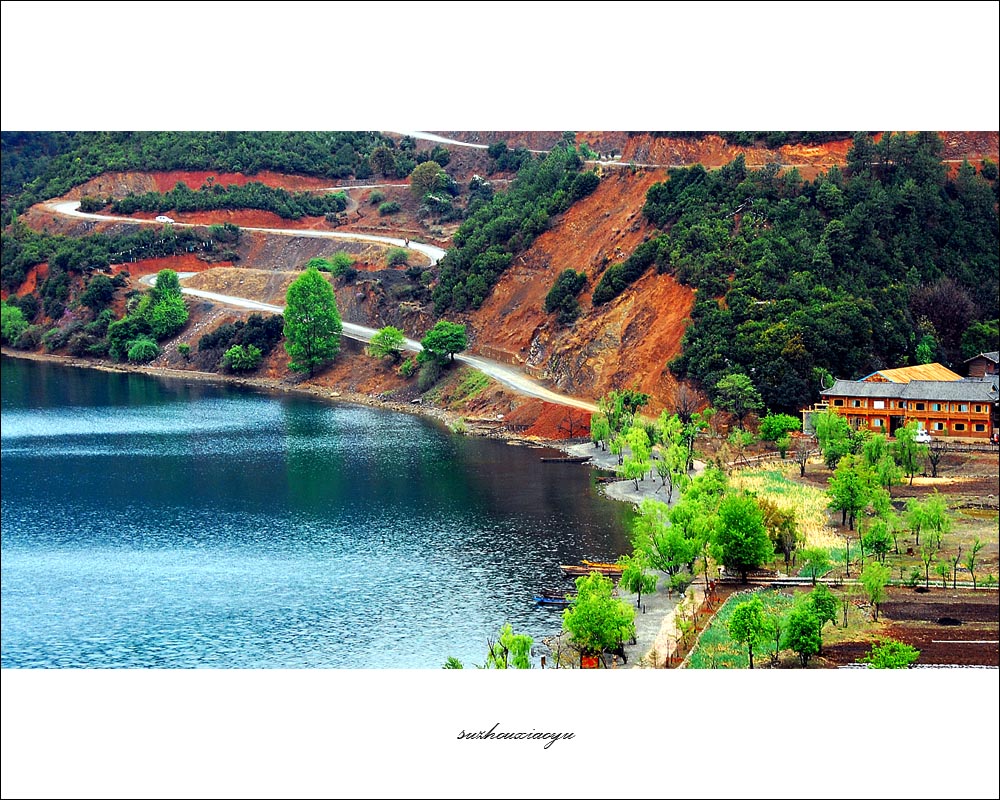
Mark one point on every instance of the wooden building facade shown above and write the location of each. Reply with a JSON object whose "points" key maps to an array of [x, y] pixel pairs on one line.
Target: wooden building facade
{"points": [[960, 408]]}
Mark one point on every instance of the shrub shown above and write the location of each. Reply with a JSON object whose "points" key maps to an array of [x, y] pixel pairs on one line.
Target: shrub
{"points": [[430, 373], [408, 367], [397, 256], [12, 323], [142, 350], [774, 426], [30, 338], [376, 197], [390, 207], [185, 350], [242, 359], [342, 266]]}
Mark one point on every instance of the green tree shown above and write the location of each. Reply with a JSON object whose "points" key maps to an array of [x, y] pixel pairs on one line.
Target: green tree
{"points": [[834, 436], [936, 517], [890, 654], [824, 605], [445, 339], [750, 625], [943, 569], [167, 315], [99, 293], [312, 323], [389, 341], [874, 578], [850, 488], [781, 528], [665, 546], [916, 516], [802, 632], [453, 663], [637, 464], [970, 559], [737, 395], [815, 561], [887, 473], [600, 431], [167, 283], [909, 455], [509, 651], [635, 578], [595, 620], [740, 538], [426, 178]]}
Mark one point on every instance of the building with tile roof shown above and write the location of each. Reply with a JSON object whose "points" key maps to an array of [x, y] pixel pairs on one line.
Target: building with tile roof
{"points": [[963, 408]]}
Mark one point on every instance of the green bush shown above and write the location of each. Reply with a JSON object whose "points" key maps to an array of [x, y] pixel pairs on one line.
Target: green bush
{"points": [[408, 367], [12, 323], [390, 207], [774, 426], [185, 350], [142, 350], [376, 197], [430, 373], [342, 266], [242, 359], [397, 256]]}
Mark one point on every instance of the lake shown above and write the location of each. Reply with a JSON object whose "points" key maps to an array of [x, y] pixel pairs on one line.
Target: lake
{"points": [[173, 523]]}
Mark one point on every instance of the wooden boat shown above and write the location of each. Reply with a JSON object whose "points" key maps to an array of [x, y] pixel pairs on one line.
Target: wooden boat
{"points": [[568, 460], [553, 599], [575, 570]]}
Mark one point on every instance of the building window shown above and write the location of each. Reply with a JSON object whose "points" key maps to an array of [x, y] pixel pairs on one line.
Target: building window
{"points": [[856, 404], [979, 427], [963, 408], [920, 406], [935, 406], [979, 409], [938, 426], [959, 426], [878, 404], [877, 422]]}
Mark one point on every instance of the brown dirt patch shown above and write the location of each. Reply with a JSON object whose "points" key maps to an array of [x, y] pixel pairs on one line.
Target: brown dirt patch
{"points": [[536, 418], [916, 618]]}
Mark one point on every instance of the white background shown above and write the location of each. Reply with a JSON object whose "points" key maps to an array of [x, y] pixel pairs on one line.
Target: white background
{"points": [[499, 66]]}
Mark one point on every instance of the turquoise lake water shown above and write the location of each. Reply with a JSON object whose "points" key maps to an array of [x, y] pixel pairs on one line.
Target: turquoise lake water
{"points": [[175, 524]]}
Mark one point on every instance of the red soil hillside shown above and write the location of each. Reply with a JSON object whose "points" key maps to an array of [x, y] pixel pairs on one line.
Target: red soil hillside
{"points": [[625, 342]]}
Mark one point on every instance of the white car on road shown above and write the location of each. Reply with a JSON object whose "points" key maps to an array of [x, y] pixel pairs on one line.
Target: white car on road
{"points": [[167, 220]]}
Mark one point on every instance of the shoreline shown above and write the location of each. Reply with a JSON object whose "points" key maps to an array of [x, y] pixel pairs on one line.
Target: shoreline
{"points": [[269, 384]]}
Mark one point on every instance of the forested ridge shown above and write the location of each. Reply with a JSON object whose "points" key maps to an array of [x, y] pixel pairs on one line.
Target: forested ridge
{"points": [[41, 165], [887, 262]]}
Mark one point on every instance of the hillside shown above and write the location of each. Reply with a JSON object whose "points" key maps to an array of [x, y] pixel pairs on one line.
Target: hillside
{"points": [[628, 341]]}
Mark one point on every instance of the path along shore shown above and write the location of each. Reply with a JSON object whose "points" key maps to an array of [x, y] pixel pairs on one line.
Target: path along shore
{"points": [[656, 633]]}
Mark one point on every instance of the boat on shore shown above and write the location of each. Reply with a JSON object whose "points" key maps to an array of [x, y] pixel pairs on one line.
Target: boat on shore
{"points": [[554, 599], [604, 568]]}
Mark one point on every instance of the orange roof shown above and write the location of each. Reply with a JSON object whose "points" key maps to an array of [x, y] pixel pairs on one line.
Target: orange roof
{"points": [[921, 372]]}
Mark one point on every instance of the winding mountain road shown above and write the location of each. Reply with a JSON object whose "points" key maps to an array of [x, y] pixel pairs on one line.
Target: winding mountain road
{"points": [[509, 376]]}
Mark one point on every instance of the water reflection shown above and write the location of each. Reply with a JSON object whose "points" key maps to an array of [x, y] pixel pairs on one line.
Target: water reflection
{"points": [[172, 523]]}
